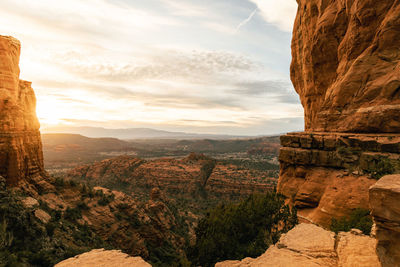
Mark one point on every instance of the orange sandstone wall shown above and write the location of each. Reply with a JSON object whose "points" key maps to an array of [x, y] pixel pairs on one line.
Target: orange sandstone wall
{"points": [[346, 65]]}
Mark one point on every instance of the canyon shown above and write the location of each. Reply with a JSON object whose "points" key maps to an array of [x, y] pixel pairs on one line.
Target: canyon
{"points": [[345, 68], [195, 182]]}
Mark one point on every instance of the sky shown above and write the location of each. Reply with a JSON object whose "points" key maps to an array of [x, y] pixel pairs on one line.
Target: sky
{"points": [[202, 66]]}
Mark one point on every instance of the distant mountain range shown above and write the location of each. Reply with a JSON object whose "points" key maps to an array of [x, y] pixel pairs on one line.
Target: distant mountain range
{"points": [[135, 133]]}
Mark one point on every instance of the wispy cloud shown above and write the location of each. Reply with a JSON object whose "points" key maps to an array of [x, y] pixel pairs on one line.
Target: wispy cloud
{"points": [[247, 20], [162, 64]]}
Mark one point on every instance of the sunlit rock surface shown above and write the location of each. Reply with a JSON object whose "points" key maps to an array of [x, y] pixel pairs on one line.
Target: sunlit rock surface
{"points": [[346, 65], [309, 245], [21, 155], [103, 258]]}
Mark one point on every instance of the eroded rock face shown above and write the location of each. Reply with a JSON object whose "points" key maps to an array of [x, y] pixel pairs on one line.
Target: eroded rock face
{"points": [[309, 245], [135, 226], [101, 257], [384, 200], [176, 177], [21, 154], [346, 65]]}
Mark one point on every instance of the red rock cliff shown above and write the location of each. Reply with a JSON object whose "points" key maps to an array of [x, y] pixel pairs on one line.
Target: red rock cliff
{"points": [[21, 154], [346, 69], [346, 65]]}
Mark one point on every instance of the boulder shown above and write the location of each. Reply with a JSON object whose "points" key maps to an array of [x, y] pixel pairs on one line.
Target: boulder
{"points": [[103, 258], [384, 198]]}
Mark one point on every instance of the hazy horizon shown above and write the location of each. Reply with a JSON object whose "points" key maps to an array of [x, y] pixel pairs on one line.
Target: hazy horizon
{"points": [[216, 67], [142, 133]]}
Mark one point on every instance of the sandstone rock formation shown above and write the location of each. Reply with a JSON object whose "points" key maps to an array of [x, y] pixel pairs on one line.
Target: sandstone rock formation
{"points": [[308, 245], [346, 65], [327, 175], [21, 154], [384, 199], [103, 258], [176, 177]]}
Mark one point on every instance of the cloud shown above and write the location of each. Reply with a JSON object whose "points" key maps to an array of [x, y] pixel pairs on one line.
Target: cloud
{"points": [[280, 13], [277, 90], [186, 9], [257, 88], [195, 66], [89, 16]]}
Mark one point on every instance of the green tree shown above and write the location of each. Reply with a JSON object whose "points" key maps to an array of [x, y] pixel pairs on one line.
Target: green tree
{"points": [[245, 229]]}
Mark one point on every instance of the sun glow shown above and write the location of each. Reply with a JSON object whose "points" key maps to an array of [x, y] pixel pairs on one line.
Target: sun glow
{"points": [[50, 111]]}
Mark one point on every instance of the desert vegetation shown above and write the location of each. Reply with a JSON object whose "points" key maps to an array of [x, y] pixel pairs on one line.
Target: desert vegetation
{"points": [[239, 230], [358, 219], [25, 240]]}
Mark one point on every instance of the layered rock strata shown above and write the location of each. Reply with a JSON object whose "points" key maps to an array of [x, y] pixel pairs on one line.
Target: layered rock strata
{"points": [[327, 175], [176, 177], [21, 154], [384, 199], [308, 245], [346, 65]]}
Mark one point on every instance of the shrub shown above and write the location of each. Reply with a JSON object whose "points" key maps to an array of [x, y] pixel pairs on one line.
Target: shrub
{"points": [[103, 201], [246, 229], [380, 167], [50, 228], [72, 214], [6, 237], [59, 182], [82, 206], [72, 183], [84, 189], [122, 206], [359, 219]]}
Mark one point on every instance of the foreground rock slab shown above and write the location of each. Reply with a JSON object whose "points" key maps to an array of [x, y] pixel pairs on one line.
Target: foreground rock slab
{"points": [[308, 245], [103, 258]]}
